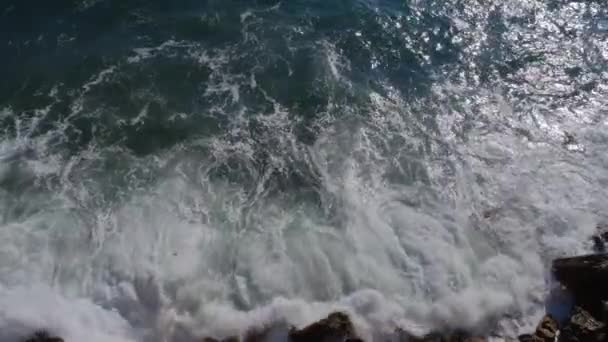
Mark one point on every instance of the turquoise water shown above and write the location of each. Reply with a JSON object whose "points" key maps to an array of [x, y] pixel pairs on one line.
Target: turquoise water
{"points": [[171, 170]]}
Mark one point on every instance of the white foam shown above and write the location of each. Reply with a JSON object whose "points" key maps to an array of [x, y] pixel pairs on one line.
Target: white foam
{"points": [[25, 310], [417, 225]]}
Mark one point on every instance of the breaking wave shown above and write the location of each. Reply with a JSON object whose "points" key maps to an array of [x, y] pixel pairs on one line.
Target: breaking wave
{"points": [[204, 169]]}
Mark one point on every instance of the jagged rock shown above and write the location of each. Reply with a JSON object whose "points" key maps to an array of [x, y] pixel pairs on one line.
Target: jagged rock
{"points": [[546, 331], [547, 328], [583, 327], [43, 336], [586, 277], [336, 327]]}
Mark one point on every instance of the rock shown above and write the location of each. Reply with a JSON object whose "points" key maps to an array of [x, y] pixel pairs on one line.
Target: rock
{"points": [[528, 338], [600, 239], [547, 329], [583, 327], [462, 338], [336, 327], [458, 336], [599, 243], [43, 336], [586, 277]]}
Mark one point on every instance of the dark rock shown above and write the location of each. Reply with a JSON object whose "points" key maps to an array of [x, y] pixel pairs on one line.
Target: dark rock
{"points": [[528, 338], [227, 339], [583, 327], [336, 327], [599, 244], [586, 277], [43, 336], [458, 336], [600, 239]]}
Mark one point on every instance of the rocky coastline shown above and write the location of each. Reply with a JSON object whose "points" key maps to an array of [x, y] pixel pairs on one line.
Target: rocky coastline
{"points": [[583, 279]]}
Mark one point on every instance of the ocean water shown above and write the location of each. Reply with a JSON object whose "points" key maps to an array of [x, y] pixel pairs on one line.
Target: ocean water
{"points": [[178, 169]]}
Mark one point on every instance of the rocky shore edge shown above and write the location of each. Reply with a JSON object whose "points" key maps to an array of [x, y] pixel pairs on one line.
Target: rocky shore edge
{"points": [[583, 317]]}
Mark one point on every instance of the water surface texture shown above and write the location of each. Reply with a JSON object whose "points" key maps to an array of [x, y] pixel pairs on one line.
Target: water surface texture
{"points": [[177, 169]]}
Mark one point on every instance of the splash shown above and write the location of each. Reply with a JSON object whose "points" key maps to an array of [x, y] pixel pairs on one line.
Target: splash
{"points": [[416, 167]]}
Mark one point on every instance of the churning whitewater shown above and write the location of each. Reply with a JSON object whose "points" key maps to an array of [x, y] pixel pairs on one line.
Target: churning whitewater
{"points": [[173, 170]]}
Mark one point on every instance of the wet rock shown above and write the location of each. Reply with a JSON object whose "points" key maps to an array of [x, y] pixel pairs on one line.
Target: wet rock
{"points": [[43, 336], [600, 239], [599, 243], [546, 331], [462, 338], [586, 277], [458, 336], [528, 338], [583, 327], [336, 327]]}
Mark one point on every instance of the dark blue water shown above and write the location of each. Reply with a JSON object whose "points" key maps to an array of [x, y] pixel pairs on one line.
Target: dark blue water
{"points": [[176, 169]]}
